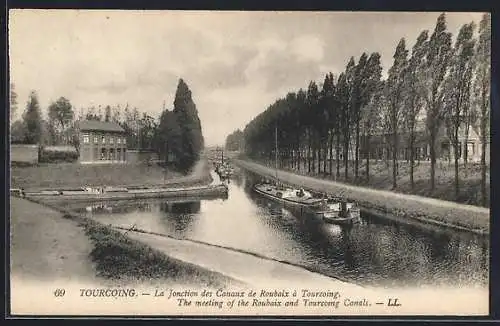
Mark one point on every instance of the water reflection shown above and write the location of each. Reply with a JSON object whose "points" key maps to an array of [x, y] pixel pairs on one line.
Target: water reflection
{"points": [[375, 252]]}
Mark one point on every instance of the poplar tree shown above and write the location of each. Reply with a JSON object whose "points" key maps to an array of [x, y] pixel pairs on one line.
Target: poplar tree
{"points": [[189, 122], [458, 88], [436, 62], [395, 97], [482, 92], [33, 120], [414, 99]]}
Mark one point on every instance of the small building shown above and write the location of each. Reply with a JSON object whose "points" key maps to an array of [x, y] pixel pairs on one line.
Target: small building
{"points": [[101, 142]]}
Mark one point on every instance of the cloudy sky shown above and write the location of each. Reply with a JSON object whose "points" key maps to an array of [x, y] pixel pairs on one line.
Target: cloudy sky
{"points": [[236, 63]]}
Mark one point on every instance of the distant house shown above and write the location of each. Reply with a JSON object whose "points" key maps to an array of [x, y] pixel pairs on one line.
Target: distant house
{"points": [[381, 146], [101, 142]]}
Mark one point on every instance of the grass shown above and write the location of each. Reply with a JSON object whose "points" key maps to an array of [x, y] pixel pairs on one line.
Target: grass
{"points": [[118, 257], [381, 178], [69, 175]]}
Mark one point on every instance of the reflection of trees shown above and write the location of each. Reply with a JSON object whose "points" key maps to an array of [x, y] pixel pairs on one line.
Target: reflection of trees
{"points": [[179, 216], [180, 207]]}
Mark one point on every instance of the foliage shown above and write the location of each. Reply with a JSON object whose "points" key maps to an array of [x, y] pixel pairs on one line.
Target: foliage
{"points": [[13, 102], [395, 97], [341, 118], [191, 135], [33, 120], [235, 141], [61, 116], [56, 156], [481, 91], [18, 132]]}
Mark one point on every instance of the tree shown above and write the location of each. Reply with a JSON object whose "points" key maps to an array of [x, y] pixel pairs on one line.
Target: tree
{"points": [[168, 139], [344, 119], [482, 58], [147, 130], [313, 105], [349, 102], [91, 114], [234, 142], [189, 122], [116, 114], [458, 90], [372, 96], [395, 97], [414, 99], [359, 99], [61, 113], [33, 120], [330, 112], [18, 132], [13, 102], [431, 84]]}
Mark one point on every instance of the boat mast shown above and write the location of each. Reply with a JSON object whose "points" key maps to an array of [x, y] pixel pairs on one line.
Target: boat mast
{"points": [[276, 152]]}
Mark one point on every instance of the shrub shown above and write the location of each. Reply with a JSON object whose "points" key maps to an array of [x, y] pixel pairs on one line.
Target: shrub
{"points": [[57, 156]]}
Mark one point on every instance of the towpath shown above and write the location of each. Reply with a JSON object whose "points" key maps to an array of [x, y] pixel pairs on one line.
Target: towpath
{"points": [[249, 269], [47, 247]]}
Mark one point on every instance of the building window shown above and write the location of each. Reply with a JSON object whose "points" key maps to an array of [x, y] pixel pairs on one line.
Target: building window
{"points": [[111, 154], [103, 139], [118, 140], [86, 138], [111, 139], [96, 139], [103, 154], [124, 141], [119, 154]]}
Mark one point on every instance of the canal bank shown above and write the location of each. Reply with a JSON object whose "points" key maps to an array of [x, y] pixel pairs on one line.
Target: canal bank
{"points": [[396, 206], [56, 245], [146, 256]]}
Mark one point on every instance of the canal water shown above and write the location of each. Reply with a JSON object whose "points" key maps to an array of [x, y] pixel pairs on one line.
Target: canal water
{"points": [[374, 253]]}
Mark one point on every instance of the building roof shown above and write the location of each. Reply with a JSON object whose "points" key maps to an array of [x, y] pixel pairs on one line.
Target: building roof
{"points": [[99, 125]]}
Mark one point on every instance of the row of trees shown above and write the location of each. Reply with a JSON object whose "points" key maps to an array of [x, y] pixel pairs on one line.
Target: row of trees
{"points": [[59, 127], [446, 83], [177, 132], [235, 141]]}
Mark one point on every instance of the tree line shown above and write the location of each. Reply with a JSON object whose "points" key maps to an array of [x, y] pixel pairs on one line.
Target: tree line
{"points": [[177, 131], [235, 141], [443, 85]]}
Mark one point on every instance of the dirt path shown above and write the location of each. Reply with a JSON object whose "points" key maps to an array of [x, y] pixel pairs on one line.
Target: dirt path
{"points": [[47, 247]]}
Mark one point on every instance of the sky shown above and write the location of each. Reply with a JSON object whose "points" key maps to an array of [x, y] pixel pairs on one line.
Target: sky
{"points": [[235, 63]]}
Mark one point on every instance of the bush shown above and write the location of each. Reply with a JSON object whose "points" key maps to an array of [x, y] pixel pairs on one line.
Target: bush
{"points": [[57, 156]]}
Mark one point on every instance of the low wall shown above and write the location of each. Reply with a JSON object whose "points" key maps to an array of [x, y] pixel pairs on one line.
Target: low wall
{"points": [[138, 156], [20, 153]]}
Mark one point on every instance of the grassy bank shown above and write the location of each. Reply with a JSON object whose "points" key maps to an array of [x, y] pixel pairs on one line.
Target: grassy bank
{"points": [[381, 178], [118, 257], [404, 206], [70, 175]]}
